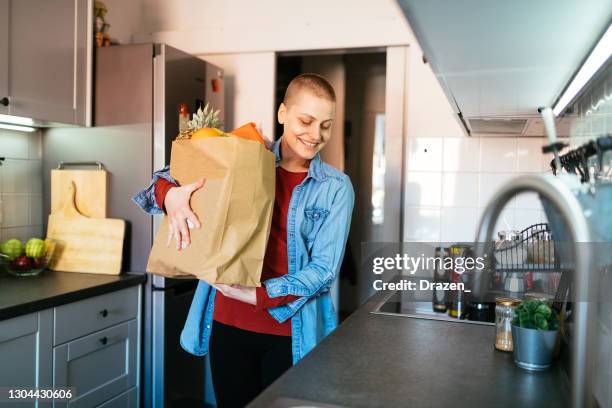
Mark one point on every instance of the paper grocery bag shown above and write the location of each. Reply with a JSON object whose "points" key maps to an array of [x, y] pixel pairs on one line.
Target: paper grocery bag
{"points": [[234, 208]]}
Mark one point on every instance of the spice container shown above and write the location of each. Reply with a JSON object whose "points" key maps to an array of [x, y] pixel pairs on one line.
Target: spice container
{"points": [[504, 312]]}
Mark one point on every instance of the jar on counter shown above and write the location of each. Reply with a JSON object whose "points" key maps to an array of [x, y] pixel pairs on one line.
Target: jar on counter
{"points": [[504, 313]]}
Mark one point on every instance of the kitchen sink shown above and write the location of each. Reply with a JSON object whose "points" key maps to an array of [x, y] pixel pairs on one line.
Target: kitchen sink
{"points": [[402, 304]]}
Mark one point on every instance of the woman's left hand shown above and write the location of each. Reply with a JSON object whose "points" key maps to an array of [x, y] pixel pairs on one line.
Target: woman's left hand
{"points": [[242, 293]]}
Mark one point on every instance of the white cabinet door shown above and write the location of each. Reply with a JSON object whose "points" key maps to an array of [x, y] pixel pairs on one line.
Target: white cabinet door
{"points": [[25, 352], [49, 60]]}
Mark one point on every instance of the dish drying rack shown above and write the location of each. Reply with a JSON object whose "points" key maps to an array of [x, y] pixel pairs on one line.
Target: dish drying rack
{"points": [[531, 256], [533, 251]]}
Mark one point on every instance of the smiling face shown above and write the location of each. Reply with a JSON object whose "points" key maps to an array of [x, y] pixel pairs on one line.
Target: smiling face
{"points": [[307, 122]]}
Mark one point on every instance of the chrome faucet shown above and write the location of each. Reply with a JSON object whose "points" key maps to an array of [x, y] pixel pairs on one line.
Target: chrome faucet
{"points": [[561, 194]]}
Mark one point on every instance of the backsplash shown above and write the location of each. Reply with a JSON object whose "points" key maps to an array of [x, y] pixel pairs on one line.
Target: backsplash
{"points": [[449, 181], [21, 213]]}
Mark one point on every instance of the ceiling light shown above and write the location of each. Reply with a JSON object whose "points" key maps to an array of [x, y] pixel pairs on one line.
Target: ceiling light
{"points": [[596, 59], [17, 120], [17, 127]]}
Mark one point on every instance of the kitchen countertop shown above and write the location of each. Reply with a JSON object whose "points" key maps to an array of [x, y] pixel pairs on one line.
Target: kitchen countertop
{"points": [[391, 361], [19, 296]]}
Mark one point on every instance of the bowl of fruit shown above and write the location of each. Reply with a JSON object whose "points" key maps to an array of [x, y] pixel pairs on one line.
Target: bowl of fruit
{"points": [[26, 260]]}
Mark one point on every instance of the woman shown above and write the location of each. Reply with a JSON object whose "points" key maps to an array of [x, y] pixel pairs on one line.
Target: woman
{"points": [[255, 334]]}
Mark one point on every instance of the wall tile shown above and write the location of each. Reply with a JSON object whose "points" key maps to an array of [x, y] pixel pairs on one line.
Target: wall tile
{"points": [[35, 177], [528, 201], [422, 224], [14, 145], [36, 210], [35, 146], [15, 176], [459, 154], [459, 224], [460, 189], [529, 155], [424, 154], [36, 231], [505, 221], [423, 189], [525, 218], [21, 233], [498, 155], [489, 184], [15, 209]]}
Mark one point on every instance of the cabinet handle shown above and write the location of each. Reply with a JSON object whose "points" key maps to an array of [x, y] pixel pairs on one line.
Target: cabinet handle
{"points": [[104, 340], [4, 101], [104, 313]]}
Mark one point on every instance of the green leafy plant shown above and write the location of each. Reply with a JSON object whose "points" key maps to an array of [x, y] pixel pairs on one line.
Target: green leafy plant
{"points": [[535, 314]]}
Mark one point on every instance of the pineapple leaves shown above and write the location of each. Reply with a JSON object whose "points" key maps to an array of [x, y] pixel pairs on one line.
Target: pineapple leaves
{"points": [[205, 118]]}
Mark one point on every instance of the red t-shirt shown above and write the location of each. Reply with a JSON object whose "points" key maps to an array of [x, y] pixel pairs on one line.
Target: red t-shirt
{"points": [[255, 317]]}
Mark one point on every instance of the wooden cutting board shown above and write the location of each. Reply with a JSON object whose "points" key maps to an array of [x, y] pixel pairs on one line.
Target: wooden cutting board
{"points": [[91, 190], [84, 244]]}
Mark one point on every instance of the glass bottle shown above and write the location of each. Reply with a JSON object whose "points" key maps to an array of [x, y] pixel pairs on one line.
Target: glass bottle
{"points": [[183, 117], [440, 276], [504, 313]]}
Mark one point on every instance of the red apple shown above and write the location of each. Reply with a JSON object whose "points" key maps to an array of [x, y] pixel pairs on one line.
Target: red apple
{"points": [[39, 263], [22, 263]]}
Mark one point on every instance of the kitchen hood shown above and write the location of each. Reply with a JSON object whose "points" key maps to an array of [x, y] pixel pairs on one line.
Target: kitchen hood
{"points": [[499, 61]]}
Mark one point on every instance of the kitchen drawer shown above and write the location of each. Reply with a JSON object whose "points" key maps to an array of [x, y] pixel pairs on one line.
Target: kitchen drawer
{"points": [[99, 366], [80, 318], [128, 399]]}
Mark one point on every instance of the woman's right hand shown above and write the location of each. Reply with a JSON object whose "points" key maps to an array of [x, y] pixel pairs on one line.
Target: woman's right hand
{"points": [[180, 213]]}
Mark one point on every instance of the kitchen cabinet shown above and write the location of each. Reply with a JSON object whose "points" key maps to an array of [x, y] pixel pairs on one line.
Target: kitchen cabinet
{"points": [[128, 399], [91, 345], [46, 59], [25, 351], [99, 366]]}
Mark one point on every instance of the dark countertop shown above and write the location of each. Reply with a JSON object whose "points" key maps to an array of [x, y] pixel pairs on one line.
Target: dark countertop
{"points": [[392, 361], [19, 296]]}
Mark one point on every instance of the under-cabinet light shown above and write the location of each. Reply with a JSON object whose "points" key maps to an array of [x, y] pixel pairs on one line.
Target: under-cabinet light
{"points": [[596, 59], [17, 127], [16, 120]]}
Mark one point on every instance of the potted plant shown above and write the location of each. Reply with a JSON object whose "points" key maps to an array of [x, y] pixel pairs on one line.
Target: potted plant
{"points": [[534, 333]]}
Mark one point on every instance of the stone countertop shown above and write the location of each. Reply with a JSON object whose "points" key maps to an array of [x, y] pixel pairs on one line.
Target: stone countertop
{"points": [[22, 295], [375, 360]]}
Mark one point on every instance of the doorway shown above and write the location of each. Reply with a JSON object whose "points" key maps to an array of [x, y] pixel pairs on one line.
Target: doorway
{"points": [[357, 147]]}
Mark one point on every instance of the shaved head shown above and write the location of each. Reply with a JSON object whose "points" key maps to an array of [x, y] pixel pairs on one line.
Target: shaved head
{"points": [[314, 83]]}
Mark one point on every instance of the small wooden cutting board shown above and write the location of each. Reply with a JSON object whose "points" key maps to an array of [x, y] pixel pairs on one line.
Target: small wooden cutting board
{"points": [[84, 244]]}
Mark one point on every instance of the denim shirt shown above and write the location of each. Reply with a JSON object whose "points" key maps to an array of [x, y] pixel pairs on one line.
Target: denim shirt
{"points": [[318, 222]]}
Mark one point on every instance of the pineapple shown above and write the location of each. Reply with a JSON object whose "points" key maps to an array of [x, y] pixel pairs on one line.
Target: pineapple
{"points": [[205, 123]]}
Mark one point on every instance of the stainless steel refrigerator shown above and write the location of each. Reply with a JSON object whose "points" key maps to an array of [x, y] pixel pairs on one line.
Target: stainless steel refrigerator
{"points": [[138, 89]]}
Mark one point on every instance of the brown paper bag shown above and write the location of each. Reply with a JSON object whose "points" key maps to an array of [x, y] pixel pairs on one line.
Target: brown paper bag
{"points": [[234, 208]]}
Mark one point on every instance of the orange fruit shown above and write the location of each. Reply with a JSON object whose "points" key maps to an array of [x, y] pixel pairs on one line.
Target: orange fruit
{"points": [[207, 132]]}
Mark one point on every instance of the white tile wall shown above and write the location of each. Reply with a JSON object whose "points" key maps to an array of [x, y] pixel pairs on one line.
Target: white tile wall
{"points": [[425, 188], [449, 181], [21, 213]]}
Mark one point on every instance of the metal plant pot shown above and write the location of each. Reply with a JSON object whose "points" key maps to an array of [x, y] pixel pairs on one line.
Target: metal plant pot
{"points": [[533, 349]]}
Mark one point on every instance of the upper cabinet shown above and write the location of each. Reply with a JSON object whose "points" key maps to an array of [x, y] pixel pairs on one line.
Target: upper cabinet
{"points": [[46, 60]]}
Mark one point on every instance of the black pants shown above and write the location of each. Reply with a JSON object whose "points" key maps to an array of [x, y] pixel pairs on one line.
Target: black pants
{"points": [[243, 363]]}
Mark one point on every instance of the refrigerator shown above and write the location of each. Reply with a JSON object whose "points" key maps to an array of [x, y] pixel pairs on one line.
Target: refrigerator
{"points": [[138, 89]]}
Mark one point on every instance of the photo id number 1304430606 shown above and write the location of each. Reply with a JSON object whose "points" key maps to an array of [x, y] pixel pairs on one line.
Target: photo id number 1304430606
{"points": [[15, 394]]}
